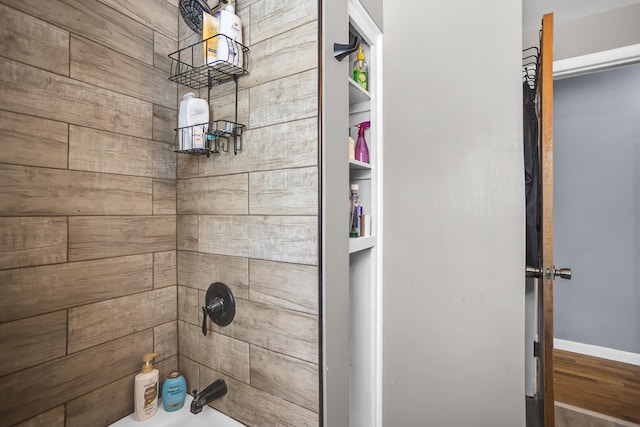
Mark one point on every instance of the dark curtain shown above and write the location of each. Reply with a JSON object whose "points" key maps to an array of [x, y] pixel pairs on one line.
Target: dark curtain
{"points": [[531, 172]]}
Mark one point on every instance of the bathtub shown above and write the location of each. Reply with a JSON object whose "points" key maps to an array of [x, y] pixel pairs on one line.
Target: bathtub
{"points": [[181, 418]]}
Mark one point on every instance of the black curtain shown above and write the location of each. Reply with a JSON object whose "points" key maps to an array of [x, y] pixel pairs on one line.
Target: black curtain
{"points": [[531, 173]]}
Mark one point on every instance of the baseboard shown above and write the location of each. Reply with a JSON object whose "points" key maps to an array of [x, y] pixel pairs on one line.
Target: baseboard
{"points": [[597, 351]]}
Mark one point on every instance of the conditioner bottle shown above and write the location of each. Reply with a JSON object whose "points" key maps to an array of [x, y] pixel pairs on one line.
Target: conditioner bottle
{"points": [[145, 392]]}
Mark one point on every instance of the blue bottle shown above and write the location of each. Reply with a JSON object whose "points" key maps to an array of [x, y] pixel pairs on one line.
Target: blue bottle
{"points": [[174, 391]]}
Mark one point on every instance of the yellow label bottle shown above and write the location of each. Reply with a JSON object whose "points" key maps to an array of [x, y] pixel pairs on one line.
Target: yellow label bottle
{"points": [[361, 70]]}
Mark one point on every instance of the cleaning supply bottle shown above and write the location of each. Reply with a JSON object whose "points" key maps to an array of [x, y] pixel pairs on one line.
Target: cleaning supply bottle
{"points": [[356, 211], [230, 45], [145, 392], [361, 70], [352, 147], [174, 391], [362, 151]]}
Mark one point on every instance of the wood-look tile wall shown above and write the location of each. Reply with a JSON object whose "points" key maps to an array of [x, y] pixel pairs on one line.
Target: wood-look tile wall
{"points": [[88, 262], [251, 221]]}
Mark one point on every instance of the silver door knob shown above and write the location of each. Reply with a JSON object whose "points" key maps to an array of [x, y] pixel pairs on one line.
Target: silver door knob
{"points": [[563, 273]]}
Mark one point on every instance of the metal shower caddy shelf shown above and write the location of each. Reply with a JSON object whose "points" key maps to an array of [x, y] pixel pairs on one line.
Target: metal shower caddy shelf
{"points": [[189, 68]]}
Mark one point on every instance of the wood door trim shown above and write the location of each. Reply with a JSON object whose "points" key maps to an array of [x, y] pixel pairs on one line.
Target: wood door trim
{"points": [[546, 133]]}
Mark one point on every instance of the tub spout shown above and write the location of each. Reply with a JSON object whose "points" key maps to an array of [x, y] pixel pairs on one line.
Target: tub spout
{"points": [[208, 395]]}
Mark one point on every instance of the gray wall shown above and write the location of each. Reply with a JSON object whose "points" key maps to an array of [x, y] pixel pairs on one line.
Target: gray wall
{"points": [[453, 214], [597, 203], [591, 33]]}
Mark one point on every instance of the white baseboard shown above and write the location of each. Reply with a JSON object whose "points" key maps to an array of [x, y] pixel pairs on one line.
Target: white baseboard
{"points": [[596, 351], [598, 61]]}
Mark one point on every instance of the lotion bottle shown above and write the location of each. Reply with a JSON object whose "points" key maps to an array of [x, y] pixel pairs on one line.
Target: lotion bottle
{"points": [[145, 392], [230, 46]]}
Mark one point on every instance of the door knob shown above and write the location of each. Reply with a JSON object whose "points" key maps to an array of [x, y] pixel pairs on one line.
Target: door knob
{"points": [[563, 273]]}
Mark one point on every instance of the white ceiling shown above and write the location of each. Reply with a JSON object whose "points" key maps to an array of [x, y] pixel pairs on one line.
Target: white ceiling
{"points": [[565, 10]]}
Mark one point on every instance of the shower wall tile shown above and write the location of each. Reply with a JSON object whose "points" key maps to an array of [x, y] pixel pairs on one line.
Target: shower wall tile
{"points": [[164, 196], [254, 407], [165, 272], [165, 340], [199, 270], [52, 383], [32, 141], [35, 290], [291, 379], [93, 324], [51, 418], [282, 331], [187, 232], [290, 286], [162, 47], [165, 120], [276, 238], [29, 241], [99, 151], [218, 195], [100, 66], [111, 236], [284, 192], [17, 30], [29, 90], [103, 405], [188, 307], [34, 340], [214, 350], [163, 17], [97, 22], [269, 19], [38, 191]]}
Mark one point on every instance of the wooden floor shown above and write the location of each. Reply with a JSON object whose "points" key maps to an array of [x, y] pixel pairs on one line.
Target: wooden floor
{"points": [[599, 385]]}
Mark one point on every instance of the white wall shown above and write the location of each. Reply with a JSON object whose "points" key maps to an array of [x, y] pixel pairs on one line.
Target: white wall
{"points": [[454, 214]]}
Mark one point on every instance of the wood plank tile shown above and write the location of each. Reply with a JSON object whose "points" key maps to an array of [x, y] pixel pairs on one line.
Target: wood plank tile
{"points": [[29, 90], [198, 270], [600, 385], [97, 65], [32, 141], [27, 241], [51, 418], [255, 407], [290, 286], [99, 151], [284, 192], [291, 379], [165, 271], [275, 238], [53, 383], [188, 306], [191, 372], [165, 121], [286, 145], [36, 290], [94, 324], [164, 196], [218, 195], [291, 333], [294, 51], [98, 22], [188, 166], [161, 16], [269, 19], [34, 42], [162, 47], [165, 367], [187, 232], [103, 405], [216, 351], [165, 340], [109, 236], [222, 106], [284, 100], [31, 341], [39, 191]]}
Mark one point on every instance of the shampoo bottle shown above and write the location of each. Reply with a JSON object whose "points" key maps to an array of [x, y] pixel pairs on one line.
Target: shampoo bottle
{"points": [[230, 45], [174, 391], [193, 122], [145, 392]]}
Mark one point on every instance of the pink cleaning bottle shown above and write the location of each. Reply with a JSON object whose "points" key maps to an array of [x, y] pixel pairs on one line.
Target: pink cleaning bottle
{"points": [[362, 151]]}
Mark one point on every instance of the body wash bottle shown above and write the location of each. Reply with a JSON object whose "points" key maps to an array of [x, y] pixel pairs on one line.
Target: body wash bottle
{"points": [[174, 391], [145, 392]]}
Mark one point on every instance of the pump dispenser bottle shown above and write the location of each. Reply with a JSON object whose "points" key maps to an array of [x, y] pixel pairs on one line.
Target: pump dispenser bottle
{"points": [[145, 392], [362, 151]]}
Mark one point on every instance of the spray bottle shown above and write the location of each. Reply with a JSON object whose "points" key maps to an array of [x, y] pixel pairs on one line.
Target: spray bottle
{"points": [[362, 151]]}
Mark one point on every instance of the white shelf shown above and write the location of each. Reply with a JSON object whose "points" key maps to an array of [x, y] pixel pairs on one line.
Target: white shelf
{"points": [[357, 244], [357, 95], [356, 164]]}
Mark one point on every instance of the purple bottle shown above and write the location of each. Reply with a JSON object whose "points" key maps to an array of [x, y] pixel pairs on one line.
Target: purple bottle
{"points": [[362, 151]]}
